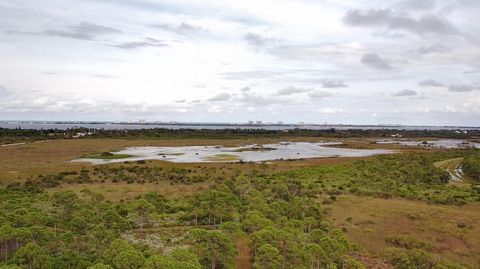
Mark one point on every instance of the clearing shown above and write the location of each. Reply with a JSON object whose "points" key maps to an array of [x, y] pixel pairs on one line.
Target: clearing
{"points": [[452, 231]]}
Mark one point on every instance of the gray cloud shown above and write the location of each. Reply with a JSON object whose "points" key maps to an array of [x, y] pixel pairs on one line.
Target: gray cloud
{"points": [[405, 92], [50, 73], [220, 97], [183, 29], [255, 74], [319, 94], [258, 41], [475, 71], [148, 42], [103, 76], [428, 24], [292, 90], [434, 49], [333, 83], [3, 91], [82, 31], [375, 61], [245, 89], [430, 83], [462, 88], [416, 4]]}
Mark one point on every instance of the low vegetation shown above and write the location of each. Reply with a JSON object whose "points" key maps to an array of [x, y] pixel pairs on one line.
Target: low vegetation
{"points": [[386, 211], [471, 166], [106, 156], [20, 135], [443, 232]]}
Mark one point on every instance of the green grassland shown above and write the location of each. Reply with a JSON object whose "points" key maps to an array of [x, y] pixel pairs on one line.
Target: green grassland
{"points": [[106, 156]]}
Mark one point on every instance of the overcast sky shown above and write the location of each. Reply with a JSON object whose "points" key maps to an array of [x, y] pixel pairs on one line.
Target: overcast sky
{"points": [[336, 61]]}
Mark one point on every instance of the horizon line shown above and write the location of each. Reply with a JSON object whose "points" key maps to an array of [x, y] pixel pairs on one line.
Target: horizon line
{"points": [[252, 123]]}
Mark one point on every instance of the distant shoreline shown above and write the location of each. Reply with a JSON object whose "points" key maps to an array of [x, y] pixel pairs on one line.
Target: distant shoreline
{"points": [[62, 125]]}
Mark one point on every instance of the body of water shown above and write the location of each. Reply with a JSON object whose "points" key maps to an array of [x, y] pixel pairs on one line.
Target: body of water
{"points": [[254, 153]]}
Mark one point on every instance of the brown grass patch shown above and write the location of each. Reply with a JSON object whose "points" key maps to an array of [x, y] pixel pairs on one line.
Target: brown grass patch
{"points": [[117, 191], [453, 231]]}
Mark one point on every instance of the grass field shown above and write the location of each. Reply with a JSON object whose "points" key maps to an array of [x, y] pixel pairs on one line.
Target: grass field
{"points": [[117, 191], [54, 156], [223, 158], [453, 231]]}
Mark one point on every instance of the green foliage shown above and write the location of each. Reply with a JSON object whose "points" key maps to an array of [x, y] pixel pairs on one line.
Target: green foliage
{"points": [[128, 259], [12, 266], [214, 247], [471, 165], [106, 156], [116, 247], [408, 175], [267, 257], [350, 263], [408, 243], [416, 258], [32, 256], [99, 266]]}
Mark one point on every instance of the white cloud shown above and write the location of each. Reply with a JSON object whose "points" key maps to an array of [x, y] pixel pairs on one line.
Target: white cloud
{"points": [[237, 61]]}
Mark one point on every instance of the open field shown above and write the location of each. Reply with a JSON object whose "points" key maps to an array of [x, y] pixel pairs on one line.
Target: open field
{"points": [[452, 231], [116, 192], [54, 156], [278, 198]]}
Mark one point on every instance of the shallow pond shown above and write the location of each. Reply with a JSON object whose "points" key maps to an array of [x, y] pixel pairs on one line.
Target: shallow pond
{"points": [[254, 153]]}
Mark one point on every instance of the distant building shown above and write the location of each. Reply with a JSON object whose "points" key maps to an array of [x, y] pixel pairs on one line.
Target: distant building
{"points": [[258, 122], [142, 121], [82, 134], [280, 122]]}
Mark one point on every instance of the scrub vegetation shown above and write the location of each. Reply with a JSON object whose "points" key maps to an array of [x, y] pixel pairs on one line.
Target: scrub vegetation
{"points": [[106, 156], [388, 211]]}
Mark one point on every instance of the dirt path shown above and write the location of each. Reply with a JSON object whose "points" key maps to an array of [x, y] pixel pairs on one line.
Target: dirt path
{"points": [[244, 259], [453, 167]]}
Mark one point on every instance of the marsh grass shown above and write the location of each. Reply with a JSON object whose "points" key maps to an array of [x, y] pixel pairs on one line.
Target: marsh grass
{"points": [[106, 156]]}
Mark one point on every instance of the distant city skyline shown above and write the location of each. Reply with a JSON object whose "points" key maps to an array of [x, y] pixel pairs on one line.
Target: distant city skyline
{"points": [[361, 62]]}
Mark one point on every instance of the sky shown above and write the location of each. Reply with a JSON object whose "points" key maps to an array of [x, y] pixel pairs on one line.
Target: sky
{"points": [[413, 62]]}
